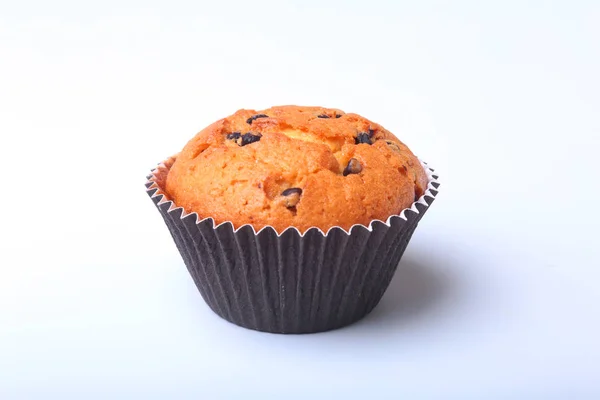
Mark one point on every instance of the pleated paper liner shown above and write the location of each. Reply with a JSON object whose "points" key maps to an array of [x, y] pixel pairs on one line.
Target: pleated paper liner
{"points": [[289, 282]]}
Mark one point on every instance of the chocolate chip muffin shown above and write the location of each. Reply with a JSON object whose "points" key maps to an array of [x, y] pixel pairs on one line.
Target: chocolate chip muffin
{"points": [[291, 166], [353, 192]]}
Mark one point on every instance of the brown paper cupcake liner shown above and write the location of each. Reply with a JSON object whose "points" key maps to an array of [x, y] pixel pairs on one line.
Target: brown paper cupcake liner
{"points": [[289, 282]]}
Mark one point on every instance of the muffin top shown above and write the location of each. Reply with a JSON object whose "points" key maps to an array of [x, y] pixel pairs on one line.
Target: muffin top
{"points": [[292, 166]]}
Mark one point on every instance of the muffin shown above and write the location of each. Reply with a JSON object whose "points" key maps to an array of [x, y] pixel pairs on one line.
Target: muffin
{"points": [[292, 219], [295, 166]]}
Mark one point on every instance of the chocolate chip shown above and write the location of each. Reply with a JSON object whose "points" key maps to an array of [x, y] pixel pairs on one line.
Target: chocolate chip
{"points": [[248, 138], [292, 196], [393, 145], [234, 135], [289, 191], [362, 137], [327, 116], [353, 167], [244, 139], [257, 116]]}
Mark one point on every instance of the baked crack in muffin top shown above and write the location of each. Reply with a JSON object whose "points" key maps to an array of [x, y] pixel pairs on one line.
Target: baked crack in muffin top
{"points": [[292, 166]]}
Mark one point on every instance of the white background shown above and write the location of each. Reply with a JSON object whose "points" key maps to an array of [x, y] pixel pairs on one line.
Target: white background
{"points": [[497, 295]]}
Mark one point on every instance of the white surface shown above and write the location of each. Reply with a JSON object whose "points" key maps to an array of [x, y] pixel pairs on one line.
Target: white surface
{"points": [[497, 296]]}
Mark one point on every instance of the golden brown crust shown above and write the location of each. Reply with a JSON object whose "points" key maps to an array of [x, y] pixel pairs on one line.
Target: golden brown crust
{"points": [[300, 167]]}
